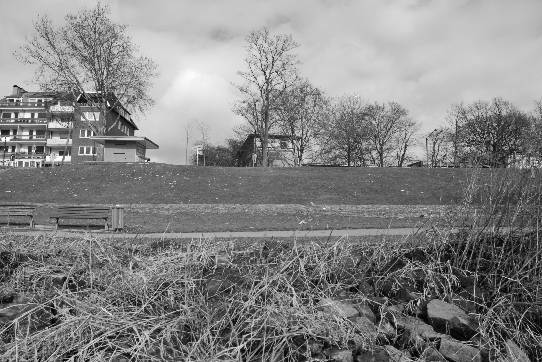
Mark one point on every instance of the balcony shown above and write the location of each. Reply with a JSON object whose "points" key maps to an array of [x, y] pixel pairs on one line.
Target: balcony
{"points": [[24, 155], [28, 139], [58, 142], [23, 121], [56, 158], [59, 125], [16, 105]]}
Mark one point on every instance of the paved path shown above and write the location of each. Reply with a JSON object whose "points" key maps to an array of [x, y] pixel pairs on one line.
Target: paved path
{"points": [[226, 234]]}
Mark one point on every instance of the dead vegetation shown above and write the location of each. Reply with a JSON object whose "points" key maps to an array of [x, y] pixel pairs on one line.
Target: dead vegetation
{"points": [[84, 299]]}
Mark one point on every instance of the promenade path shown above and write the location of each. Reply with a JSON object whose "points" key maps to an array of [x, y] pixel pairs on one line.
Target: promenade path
{"points": [[223, 234]]}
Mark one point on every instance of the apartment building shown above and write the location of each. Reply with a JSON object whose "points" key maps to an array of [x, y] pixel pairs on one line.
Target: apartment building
{"points": [[40, 129]]}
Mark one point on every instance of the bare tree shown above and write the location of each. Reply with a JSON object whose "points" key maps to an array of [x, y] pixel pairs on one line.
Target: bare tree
{"points": [[439, 147], [536, 134], [387, 122], [404, 140], [92, 58], [271, 71], [301, 108], [490, 133], [343, 132]]}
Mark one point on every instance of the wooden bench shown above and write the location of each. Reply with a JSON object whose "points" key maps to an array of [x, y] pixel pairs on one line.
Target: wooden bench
{"points": [[81, 213], [14, 210]]}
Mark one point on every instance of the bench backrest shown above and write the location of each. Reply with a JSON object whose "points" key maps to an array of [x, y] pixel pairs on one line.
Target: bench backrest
{"points": [[90, 211], [13, 209]]}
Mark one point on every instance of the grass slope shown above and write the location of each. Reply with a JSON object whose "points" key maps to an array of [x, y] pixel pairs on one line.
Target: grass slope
{"points": [[161, 183]]}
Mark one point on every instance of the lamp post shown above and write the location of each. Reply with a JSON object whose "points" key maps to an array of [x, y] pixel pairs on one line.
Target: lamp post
{"points": [[4, 153]]}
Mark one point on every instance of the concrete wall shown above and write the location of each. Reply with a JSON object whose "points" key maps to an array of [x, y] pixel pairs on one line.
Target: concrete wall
{"points": [[120, 152]]}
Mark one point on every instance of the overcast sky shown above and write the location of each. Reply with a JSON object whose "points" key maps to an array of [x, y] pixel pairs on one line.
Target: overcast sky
{"points": [[423, 54]]}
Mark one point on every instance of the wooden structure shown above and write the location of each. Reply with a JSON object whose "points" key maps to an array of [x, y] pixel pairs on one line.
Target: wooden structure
{"points": [[81, 213], [18, 211]]}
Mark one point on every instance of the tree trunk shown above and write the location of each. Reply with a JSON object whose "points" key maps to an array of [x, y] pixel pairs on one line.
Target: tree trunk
{"points": [[265, 141], [348, 154]]}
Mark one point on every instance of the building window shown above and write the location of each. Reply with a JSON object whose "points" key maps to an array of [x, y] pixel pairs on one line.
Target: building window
{"points": [[87, 150], [85, 133], [6, 115], [90, 116]]}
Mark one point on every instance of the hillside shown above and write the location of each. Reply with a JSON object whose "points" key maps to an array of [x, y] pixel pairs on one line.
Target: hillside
{"points": [[171, 184]]}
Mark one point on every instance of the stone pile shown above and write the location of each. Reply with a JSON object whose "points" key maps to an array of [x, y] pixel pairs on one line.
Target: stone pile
{"points": [[444, 332]]}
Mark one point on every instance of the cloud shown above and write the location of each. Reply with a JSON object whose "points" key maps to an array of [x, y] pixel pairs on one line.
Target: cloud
{"points": [[423, 54]]}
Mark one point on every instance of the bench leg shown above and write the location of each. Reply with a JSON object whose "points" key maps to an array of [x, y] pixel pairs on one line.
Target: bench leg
{"points": [[106, 225], [31, 222], [56, 228]]}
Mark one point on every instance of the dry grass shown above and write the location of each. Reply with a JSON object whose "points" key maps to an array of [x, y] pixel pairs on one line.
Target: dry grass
{"points": [[199, 301], [211, 299], [502, 252]]}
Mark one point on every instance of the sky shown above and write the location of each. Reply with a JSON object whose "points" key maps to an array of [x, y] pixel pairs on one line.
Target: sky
{"points": [[423, 54]]}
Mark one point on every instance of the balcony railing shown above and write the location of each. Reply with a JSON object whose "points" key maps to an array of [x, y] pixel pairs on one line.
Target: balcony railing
{"points": [[58, 142], [23, 155], [59, 125], [56, 158], [18, 138], [5, 104], [24, 120]]}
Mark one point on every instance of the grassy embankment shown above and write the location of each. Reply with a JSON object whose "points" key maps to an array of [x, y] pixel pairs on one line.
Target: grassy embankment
{"points": [[161, 197], [206, 300]]}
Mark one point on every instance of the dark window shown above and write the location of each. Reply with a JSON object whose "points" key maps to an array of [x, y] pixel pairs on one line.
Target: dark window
{"points": [[40, 149], [14, 132], [61, 153], [42, 115], [6, 115], [4, 132]]}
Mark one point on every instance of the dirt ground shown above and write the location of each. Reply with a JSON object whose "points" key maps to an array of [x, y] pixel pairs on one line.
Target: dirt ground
{"points": [[149, 218]]}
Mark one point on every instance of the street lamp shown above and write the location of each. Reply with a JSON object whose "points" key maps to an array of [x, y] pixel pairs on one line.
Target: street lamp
{"points": [[4, 153]]}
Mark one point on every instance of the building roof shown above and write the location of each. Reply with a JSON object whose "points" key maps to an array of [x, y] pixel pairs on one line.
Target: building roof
{"points": [[147, 143]]}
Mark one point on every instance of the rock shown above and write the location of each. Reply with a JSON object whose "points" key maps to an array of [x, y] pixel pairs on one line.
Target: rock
{"points": [[514, 353], [446, 317], [341, 355], [365, 327], [364, 288], [366, 312], [314, 347], [392, 266], [396, 355], [378, 354], [376, 303], [464, 301], [432, 355], [32, 316], [456, 351], [465, 280], [11, 311], [386, 330], [398, 289], [338, 308], [417, 326], [396, 309]]}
